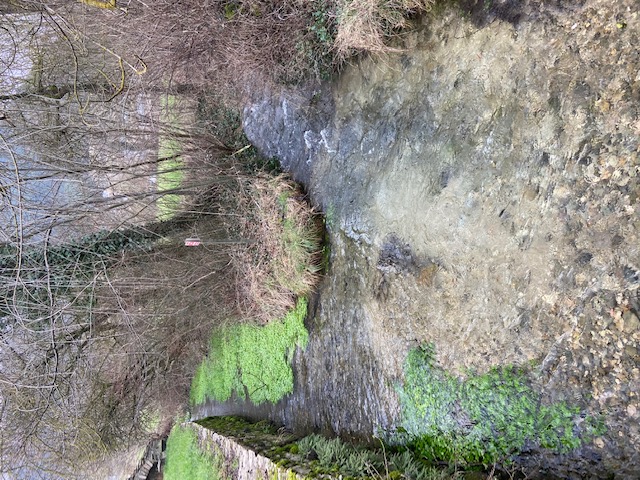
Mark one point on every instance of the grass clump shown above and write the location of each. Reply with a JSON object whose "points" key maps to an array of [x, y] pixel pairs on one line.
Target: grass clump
{"points": [[281, 258], [483, 419], [366, 25], [186, 460], [251, 360]]}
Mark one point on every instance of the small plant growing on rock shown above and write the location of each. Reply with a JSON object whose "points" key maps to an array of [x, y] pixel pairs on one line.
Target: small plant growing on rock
{"points": [[482, 419]]}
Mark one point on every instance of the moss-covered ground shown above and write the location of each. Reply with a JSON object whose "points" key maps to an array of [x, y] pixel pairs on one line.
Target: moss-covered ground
{"points": [[315, 456], [252, 359]]}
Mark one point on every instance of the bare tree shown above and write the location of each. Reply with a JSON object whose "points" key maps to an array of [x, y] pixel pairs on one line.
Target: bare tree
{"points": [[87, 333], [101, 305]]}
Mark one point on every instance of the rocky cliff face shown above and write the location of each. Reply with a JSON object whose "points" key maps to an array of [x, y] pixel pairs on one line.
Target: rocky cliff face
{"points": [[487, 177]]}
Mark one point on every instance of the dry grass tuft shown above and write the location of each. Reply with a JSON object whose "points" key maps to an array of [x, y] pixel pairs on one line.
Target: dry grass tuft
{"points": [[281, 259], [365, 25]]}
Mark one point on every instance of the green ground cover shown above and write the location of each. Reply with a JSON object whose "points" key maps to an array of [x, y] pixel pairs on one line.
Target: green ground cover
{"points": [[186, 460], [251, 359], [337, 459], [482, 419]]}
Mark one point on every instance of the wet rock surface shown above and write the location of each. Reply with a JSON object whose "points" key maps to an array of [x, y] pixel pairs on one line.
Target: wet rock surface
{"points": [[340, 385], [481, 191]]}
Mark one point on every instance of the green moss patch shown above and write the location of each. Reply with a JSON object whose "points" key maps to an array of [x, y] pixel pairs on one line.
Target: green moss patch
{"points": [[263, 437], [253, 360], [482, 419]]}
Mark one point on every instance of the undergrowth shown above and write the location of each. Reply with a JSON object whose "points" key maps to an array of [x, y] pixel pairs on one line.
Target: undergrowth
{"points": [[332, 456], [482, 419], [235, 47], [224, 123], [251, 360]]}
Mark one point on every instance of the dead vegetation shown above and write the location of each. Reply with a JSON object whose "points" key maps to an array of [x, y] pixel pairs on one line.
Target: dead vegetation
{"points": [[279, 257], [234, 47], [367, 25]]}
